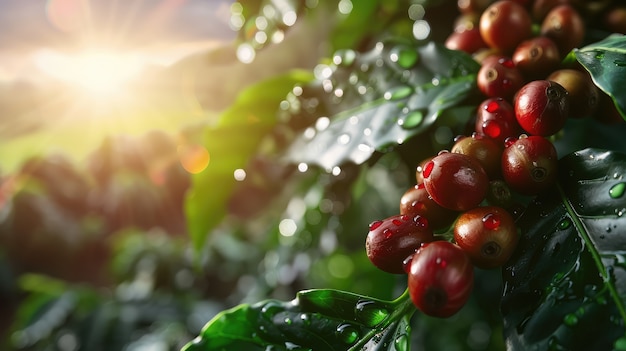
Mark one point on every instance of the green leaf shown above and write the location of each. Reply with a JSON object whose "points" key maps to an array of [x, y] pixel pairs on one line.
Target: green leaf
{"points": [[230, 144], [565, 286], [373, 101], [606, 62], [329, 320]]}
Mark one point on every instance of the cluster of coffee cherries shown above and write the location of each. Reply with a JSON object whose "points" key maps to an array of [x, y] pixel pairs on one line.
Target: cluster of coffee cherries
{"points": [[461, 214]]}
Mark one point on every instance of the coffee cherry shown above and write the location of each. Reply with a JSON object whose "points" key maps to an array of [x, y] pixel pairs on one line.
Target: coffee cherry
{"points": [[419, 178], [541, 107], [565, 26], [485, 150], [440, 279], [529, 164], [416, 202], [468, 41], [504, 24], [455, 181], [498, 77], [583, 93], [541, 8], [536, 57], [615, 19], [390, 241], [487, 234], [495, 118], [472, 6]]}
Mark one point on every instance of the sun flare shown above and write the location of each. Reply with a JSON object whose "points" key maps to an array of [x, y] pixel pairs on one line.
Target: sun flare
{"points": [[98, 73]]}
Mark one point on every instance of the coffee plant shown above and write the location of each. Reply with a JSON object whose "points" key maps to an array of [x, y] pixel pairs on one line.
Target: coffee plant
{"points": [[504, 116], [449, 176]]}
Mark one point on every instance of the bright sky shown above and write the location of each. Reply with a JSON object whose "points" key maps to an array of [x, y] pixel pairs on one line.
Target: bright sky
{"points": [[104, 40]]}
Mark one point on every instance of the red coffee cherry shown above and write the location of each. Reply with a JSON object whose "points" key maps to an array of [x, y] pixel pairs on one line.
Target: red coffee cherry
{"points": [[487, 234], [583, 93], [440, 279], [537, 57], [484, 149], [498, 77], [416, 202], [455, 181], [390, 241], [565, 26], [504, 24], [541, 107], [495, 118], [468, 40], [529, 164]]}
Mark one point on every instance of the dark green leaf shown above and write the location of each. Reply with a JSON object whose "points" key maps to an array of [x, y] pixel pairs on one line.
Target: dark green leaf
{"points": [[230, 144], [372, 101], [606, 61], [565, 287], [319, 320]]}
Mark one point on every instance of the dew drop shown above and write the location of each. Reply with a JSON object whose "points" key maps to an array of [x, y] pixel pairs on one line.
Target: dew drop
{"points": [[491, 221], [370, 313], [288, 321], [388, 233], [421, 221], [305, 319], [347, 333], [405, 57], [492, 129], [428, 168], [564, 224], [270, 309], [402, 342], [570, 320], [412, 119], [375, 225], [396, 222], [617, 190], [398, 93]]}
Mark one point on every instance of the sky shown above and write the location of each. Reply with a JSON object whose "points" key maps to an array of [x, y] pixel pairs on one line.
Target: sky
{"points": [[153, 31]]}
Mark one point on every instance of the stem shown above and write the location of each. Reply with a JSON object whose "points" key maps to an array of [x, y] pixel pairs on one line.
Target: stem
{"points": [[582, 230], [401, 307]]}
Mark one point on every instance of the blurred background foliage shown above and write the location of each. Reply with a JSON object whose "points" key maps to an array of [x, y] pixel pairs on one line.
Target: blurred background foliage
{"points": [[142, 244]]}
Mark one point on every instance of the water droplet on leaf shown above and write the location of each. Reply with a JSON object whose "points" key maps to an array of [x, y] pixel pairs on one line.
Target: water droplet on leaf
{"points": [[370, 313], [617, 190], [347, 333], [564, 224]]}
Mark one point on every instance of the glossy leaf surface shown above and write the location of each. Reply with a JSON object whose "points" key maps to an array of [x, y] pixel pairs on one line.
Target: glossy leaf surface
{"points": [[565, 287], [329, 320], [230, 144], [606, 61], [373, 101]]}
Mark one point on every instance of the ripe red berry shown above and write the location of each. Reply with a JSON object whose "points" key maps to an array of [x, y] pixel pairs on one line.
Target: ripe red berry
{"points": [[487, 234], [440, 279], [495, 118], [583, 93], [541, 107], [455, 181], [504, 24], [565, 26], [485, 150], [468, 40], [390, 241], [537, 57], [529, 165], [498, 77], [416, 201]]}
